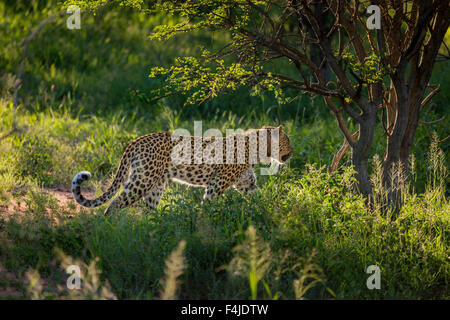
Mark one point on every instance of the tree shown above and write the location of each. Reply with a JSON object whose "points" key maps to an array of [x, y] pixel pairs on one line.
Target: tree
{"points": [[379, 76]]}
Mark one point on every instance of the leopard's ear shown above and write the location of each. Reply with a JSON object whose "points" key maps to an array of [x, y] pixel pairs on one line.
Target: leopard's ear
{"points": [[269, 127], [280, 128]]}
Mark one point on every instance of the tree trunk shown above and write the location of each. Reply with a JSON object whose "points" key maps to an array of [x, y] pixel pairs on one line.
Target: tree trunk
{"points": [[316, 54], [396, 163], [403, 112], [360, 152]]}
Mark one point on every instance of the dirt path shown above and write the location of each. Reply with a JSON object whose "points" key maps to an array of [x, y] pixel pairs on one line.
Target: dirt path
{"points": [[9, 285], [12, 287], [62, 195]]}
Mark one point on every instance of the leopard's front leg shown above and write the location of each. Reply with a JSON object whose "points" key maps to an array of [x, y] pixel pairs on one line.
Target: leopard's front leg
{"points": [[247, 182], [222, 179]]}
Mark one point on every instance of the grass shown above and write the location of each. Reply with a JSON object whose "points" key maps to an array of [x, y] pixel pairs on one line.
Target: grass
{"points": [[297, 214], [263, 238], [305, 234]]}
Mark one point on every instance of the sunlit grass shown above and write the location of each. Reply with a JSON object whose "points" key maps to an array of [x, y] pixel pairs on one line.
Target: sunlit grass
{"points": [[266, 238]]}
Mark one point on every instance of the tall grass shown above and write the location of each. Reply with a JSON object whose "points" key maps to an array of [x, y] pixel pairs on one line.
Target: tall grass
{"points": [[253, 259], [303, 235], [175, 266]]}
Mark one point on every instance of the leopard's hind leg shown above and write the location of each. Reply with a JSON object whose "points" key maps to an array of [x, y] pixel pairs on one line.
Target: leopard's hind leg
{"points": [[134, 190], [126, 199], [153, 196]]}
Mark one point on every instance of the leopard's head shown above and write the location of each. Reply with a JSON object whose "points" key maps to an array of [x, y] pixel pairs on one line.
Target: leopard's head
{"points": [[285, 149]]}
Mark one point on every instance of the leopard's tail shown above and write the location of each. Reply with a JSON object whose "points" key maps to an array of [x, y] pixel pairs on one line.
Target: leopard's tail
{"points": [[119, 179]]}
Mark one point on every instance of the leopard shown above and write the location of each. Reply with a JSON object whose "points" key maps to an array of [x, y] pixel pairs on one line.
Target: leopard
{"points": [[216, 164]]}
